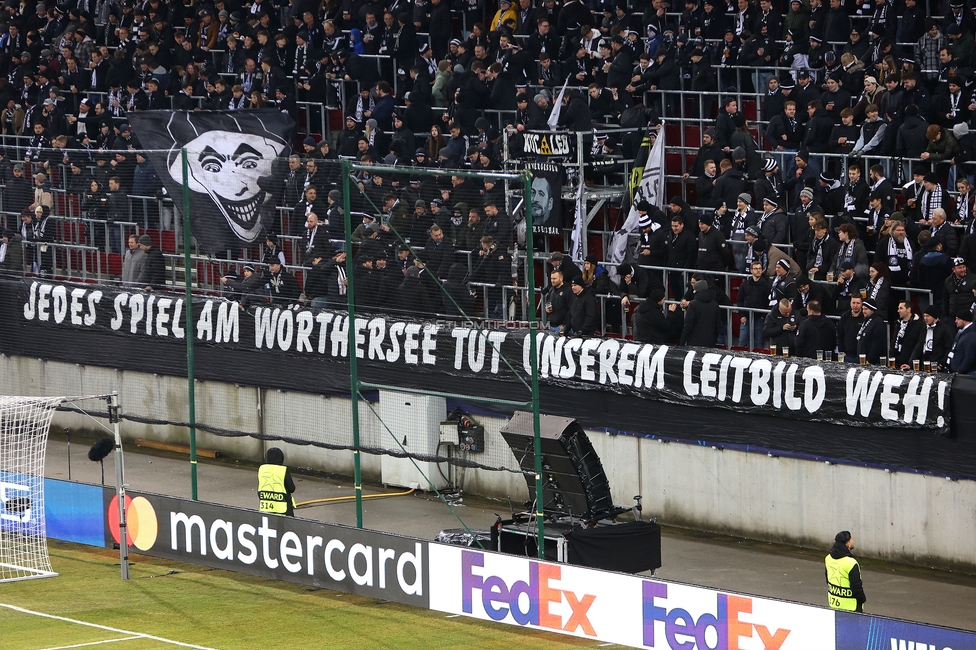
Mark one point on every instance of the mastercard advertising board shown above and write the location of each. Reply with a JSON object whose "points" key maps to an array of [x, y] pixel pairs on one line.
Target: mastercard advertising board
{"points": [[319, 554]]}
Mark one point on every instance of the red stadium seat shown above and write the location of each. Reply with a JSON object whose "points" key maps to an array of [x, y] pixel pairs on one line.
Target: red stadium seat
{"points": [[749, 109], [114, 264], [168, 241]]}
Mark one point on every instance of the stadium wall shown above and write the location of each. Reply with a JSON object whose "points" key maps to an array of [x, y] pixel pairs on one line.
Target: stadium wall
{"points": [[900, 516]]}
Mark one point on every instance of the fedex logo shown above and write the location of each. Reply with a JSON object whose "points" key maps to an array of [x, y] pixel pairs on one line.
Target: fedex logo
{"points": [[723, 630], [536, 601]]}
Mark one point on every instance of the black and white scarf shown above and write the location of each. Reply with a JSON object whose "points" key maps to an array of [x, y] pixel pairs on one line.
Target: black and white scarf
{"points": [[902, 330], [896, 253], [874, 288], [930, 201]]}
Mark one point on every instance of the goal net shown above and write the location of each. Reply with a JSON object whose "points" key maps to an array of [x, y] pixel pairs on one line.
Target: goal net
{"points": [[24, 424]]}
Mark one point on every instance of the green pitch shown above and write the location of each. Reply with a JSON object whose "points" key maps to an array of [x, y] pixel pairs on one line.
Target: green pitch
{"points": [[171, 605]]}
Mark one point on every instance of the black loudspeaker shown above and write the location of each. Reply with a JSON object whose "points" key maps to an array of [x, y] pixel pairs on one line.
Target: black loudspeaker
{"points": [[574, 483]]}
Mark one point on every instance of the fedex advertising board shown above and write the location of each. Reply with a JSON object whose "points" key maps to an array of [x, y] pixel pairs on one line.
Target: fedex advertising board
{"points": [[617, 608]]}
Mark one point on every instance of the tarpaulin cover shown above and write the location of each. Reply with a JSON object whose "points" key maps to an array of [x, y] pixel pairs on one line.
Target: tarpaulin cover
{"points": [[630, 547]]}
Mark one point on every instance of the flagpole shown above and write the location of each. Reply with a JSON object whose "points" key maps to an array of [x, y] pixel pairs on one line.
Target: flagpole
{"points": [[557, 108]]}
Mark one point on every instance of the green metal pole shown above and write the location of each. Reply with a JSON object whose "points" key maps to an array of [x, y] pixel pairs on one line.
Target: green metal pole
{"points": [[353, 370], [533, 355], [190, 361]]}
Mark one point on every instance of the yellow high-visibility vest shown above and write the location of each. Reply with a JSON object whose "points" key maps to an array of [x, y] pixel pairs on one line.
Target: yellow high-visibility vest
{"points": [[839, 593], [272, 495]]}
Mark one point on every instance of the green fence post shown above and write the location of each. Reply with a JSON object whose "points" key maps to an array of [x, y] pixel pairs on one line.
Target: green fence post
{"points": [[533, 354], [353, 369], [190, 362]]}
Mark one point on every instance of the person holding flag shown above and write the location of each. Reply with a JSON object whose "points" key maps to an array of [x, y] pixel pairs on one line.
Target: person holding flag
{"points": [[651, 189]]}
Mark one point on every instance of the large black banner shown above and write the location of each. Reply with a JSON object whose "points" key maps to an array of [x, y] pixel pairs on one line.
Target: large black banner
{"points": [[104, 324], [230, 171]]}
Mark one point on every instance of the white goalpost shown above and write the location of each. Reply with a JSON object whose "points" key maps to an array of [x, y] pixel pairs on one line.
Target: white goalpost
{"points": [[24, 424]]}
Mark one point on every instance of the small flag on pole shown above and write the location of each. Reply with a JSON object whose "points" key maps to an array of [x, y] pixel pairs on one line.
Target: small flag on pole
{"points": [[558, 107], [578, 249]]}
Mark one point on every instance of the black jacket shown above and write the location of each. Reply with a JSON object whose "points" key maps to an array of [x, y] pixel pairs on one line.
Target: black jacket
{"points": [[815, 333], [682, 249], [701, 321], [711, 251], [943, 337], [847, 329], [654, 325], [753, 294], [905, 338], [871, 340], [583, 313], [285, 289], [817, 138], [727, 188], [957, 293], [773, 329], [561, 300], [154, 270]]}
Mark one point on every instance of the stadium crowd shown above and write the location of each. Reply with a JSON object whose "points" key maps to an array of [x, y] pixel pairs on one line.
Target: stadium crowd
{"points": [[851, 97]]}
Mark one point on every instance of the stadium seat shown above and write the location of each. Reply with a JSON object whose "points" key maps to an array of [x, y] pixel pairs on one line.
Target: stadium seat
{"points": [[672, 133], [750, 109], [168, 241], [114, 264]]}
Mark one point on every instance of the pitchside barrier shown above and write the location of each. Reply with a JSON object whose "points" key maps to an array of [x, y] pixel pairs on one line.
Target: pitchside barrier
{"points": [[630, 610]]}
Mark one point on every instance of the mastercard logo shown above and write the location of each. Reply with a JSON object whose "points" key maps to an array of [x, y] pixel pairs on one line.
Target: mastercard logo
{"points": [[141, 523]]}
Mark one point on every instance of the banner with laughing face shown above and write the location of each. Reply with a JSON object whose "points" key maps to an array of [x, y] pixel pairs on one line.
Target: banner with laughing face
{"points": [[232, 157]]}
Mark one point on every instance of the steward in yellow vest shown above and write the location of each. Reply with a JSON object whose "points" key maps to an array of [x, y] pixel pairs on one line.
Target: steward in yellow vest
{"points": [[275, 486], [844, 589]]}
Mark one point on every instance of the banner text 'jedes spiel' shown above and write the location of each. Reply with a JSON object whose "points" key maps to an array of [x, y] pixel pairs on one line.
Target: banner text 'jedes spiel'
{"points": [[409, 353]]}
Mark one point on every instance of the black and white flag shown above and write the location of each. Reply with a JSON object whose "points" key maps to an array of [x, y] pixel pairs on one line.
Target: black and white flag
{"points": [[231, 162]]}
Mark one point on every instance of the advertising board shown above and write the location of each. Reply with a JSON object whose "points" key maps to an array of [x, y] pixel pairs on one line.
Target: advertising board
{"points": [[318, 554], [611, 607], [860, 632]]}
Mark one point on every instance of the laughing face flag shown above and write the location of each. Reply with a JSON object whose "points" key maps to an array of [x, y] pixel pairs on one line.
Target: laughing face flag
{"points": [[231, 157]]}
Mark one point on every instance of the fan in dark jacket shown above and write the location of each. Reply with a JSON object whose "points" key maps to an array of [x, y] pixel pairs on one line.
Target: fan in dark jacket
{"points": [[934, 340], [701, 317], [559, 300], [154, 271], [11, 253], [871, 340], [711, 246], [285, 289], [815, 333], [753, 294], [458, 300], [780, 325], [583, 312], [729, 185], [412, 296], [910, 327], [817, 138], [653, 323]]}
